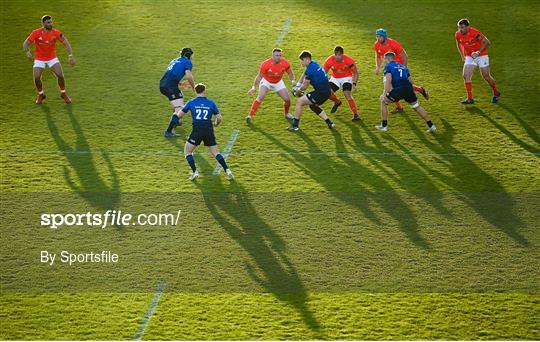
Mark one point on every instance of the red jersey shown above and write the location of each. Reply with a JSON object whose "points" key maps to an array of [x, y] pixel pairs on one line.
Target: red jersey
{"points": [[389, 45], [273, 72], [340, 69], [471, 42], [45, 43]]}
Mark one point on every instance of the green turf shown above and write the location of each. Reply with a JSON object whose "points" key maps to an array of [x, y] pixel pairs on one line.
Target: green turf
{"points": [[442, 237]]}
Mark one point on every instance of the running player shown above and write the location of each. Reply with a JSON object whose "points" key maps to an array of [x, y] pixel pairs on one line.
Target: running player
{"points": [[270, 77], [45, 39], [169, 86], [382, 45], [344, 76], [472, 46], [398, 84], [202, 109], [315, 76]]}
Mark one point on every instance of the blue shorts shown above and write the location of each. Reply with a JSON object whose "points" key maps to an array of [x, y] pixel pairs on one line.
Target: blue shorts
{"points": [[318, 97], [402, 93], [202, 134], [172, 93]]}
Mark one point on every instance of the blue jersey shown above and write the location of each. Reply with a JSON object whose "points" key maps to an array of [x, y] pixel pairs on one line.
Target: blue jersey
{"points": [[175, 72], [399, 72], [317, 77], [202, 110]]}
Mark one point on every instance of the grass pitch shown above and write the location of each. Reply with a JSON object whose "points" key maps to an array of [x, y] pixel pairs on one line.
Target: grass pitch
{"points": [[325, 235]]}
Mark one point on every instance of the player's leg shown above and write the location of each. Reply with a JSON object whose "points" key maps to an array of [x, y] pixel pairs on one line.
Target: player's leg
{"points": [[334, 85], [37, 72], [221, 160], [188, 152], [385, 101], [347, 92], [421, 90], [300, 103], [175, 120], [56, 68], [257, 102], [486, 74], [424, 115], [284, 94], [320, 112], [468, 70]]}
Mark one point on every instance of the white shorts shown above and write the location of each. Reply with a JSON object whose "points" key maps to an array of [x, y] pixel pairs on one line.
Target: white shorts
{"points": [[340, 81], [480, 61], [273, 86], [43, 64]]}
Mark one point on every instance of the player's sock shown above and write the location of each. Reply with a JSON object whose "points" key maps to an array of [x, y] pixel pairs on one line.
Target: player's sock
{"points": [[328, 122], [398, 105], [39, 89], [286, 107], [384, 123], [494, 87], [254, 106], [429, 123], [417, 88], [175, 121], [191, 162], [222, 161], [352, 105], [468, 87], [334, 98], [295, 122]]}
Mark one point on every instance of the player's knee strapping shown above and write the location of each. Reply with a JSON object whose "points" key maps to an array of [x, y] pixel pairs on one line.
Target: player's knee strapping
{"points": [[415, 105], [316, 109], [347, 86]]}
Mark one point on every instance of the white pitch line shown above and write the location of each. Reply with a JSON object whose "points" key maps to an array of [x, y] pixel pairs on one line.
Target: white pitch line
{"points": [[158, 153], [227, 150], [150, 311], [284, 31]]}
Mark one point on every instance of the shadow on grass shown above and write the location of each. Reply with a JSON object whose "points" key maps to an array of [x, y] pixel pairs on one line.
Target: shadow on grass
{"points": [[530, 131], [270, 267], [91, 185], [366, 191], [489, 198]]}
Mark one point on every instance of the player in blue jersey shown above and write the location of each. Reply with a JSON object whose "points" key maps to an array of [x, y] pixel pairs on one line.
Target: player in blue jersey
{"points": [[316, 77], [168, 86], [202, 110], [398, 85]]}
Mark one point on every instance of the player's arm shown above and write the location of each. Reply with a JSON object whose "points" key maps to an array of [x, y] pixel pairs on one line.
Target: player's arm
{"points": [[404, 57], [354, 76], [460, 49], [69, 51], [387, 83], [256, 83], [485, 44], [218, 120], [189, 78], [26, 48], [291, 76], [378, 61]]}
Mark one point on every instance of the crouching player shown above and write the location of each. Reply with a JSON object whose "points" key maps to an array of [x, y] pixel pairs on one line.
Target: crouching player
{"points": [[398, 85], [315, 76], [202, 109]]}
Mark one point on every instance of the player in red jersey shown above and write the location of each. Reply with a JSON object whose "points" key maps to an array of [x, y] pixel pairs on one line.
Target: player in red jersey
{"points": [[344, 76], [472, 46], [270, 77], [45, 39], [382, 45]]}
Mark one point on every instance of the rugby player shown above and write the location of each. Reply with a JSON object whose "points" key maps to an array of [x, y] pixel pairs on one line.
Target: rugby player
{"points": [[270, 77], [472, 46], [344, 76], [44, 40]]}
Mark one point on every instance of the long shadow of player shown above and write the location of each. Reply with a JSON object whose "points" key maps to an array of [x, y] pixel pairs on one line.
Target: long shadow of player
{"points": [[232, 208], [375, 190], [530, 131], [91, 186], [483, 193], [382, 155]]}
